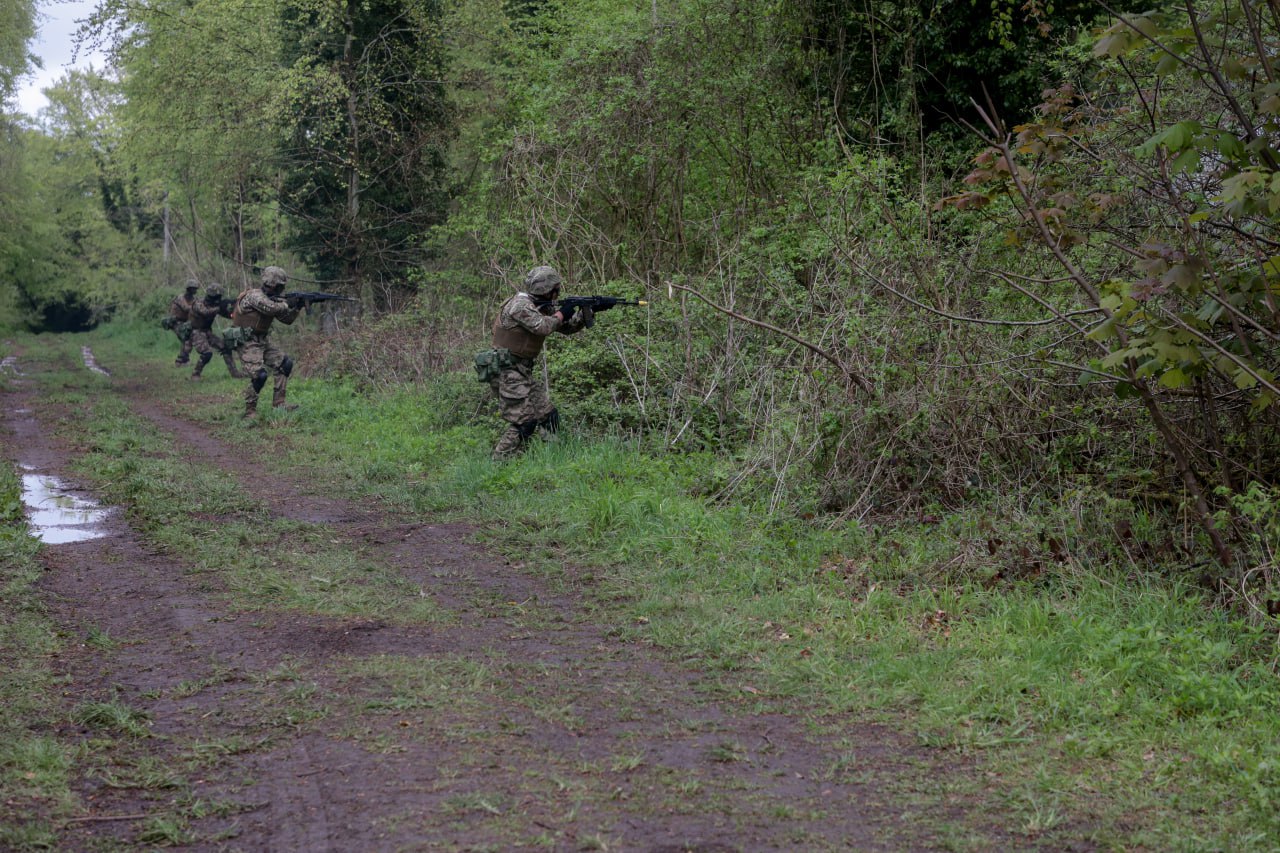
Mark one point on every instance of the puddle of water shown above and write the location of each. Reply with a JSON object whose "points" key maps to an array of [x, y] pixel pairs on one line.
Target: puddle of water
{"points": [[92, 363], [56, 516]]}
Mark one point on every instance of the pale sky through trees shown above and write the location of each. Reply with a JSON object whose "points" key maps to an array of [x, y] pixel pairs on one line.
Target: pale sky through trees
{"points": [[55, 45]]}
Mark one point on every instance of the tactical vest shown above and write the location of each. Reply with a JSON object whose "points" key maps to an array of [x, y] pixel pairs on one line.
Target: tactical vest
{"points": [[519, 341], [202, 322], [248, 318]]}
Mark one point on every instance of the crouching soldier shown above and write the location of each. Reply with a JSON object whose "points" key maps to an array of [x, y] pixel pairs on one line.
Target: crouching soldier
{"points": [[179, 320], [205, 340], [524, 321], [254, 310]]}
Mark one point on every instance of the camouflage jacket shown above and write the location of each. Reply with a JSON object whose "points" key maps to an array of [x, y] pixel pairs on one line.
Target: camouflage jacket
{"points": [[521, 328], [180, 308], [203, 313], [255, 310]]}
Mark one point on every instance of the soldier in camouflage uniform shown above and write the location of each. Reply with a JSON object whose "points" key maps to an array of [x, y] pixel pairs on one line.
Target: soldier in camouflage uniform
{"points": [[179, 314], [255, 309], [520, 330], [203, 337]]}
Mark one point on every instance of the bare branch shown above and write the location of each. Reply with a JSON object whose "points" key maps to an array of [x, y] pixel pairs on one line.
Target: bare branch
{"points": [[814, 348]]}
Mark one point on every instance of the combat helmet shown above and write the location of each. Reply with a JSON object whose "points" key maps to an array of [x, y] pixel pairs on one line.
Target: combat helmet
{"points": [[192, 285], [273, 277], [213, 289], [541, 281]]}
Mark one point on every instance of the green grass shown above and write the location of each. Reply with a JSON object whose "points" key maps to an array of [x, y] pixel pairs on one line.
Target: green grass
{"points": [[112, 717], [394, 684], [264, 562], [34, 767], [1133, 692], [1095, 695]]}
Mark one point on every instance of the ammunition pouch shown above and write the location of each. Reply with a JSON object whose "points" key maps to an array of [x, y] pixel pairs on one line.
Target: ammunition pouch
{"points": [[490, 363], [236, 337]]}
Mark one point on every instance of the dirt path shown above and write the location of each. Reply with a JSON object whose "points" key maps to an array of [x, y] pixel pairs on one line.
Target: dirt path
{"points": [[511, 721]]}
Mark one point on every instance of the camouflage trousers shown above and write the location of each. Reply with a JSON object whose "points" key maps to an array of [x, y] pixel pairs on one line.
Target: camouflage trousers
{"points": [[261, 359], [184, 355], [207, 342], [523, 403]]}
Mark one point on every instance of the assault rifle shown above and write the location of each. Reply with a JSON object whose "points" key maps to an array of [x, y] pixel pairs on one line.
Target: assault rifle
{"points": [[571, 304], [307, 298]]}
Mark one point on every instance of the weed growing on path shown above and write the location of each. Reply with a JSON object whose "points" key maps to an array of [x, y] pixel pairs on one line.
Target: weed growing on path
{"points": [[34, 767]]}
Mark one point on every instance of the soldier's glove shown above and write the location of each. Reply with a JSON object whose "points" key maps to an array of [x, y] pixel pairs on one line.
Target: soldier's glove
{"points": [[567, 312]]}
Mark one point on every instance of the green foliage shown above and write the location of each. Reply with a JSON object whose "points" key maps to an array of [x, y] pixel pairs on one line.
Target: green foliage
{"points": [[78, 240], [697, 146], [1166, 247], [17, 234], [203, 159], [361, 187], [17, 26]]}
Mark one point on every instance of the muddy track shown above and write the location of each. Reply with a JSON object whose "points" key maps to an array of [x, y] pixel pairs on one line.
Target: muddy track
{"points": [[545, 728]]}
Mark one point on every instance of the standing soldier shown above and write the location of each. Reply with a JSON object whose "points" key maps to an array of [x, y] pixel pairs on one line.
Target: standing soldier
{"points": [[524, 321], [254, 310], [203, 337], [179, 320]]}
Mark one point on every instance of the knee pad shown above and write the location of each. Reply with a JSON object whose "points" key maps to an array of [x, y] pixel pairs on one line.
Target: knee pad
{"points": [[286, 366], [259, 379], [551, 423], [205, 357], [527, 429]]}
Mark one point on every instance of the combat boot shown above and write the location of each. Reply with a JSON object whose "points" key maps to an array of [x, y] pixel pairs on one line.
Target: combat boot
{"points": [[277, 401], [205, 358]]}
